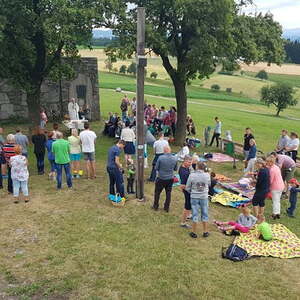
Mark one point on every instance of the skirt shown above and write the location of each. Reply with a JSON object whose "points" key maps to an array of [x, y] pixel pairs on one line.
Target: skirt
{"points": [[129, 148]]}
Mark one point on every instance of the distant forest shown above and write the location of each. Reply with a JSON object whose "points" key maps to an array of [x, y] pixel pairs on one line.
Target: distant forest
{"points": [[292, 49], [103, 42]]}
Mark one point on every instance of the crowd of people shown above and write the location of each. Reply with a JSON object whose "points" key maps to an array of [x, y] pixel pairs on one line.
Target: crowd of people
{"points": [[271, 175]]}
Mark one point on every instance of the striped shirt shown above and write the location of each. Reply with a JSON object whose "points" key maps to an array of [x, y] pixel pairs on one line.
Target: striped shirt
{"points": [[8, 151]]}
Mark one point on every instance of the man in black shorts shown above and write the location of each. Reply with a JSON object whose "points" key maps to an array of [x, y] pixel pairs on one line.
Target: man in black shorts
{"points": [[184, 173]]}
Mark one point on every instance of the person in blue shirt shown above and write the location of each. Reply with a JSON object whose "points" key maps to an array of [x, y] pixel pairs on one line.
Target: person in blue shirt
{"points": [[294, 190], [114, 169], [51, 157]]}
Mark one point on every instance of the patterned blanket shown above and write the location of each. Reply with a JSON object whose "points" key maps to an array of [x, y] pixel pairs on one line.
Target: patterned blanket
{"points": [[284, 244], [221, 157], [229, 199], [237, 188]]}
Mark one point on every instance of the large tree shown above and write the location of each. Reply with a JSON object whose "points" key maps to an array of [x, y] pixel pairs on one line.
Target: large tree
{"points": [[200, 34], [35, 34]]}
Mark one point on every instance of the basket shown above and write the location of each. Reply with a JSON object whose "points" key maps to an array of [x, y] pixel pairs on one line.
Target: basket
{"points": [[118, 204]]}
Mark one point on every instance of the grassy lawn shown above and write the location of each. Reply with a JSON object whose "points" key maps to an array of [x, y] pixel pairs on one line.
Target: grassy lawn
{"points": [[75, 245]]}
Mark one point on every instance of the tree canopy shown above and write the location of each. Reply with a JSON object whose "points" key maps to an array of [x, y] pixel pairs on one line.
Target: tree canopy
{"points": [[280, 95], [200, 34], [35, 34]]}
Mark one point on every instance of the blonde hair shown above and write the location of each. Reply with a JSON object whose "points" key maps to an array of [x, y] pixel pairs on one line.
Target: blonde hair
{"points": [[10, 139], [252, 141], [271, 160], [245, 210]]}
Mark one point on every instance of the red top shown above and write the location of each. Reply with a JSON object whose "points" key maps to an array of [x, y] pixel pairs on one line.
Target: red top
{"points": [[8, 151]]}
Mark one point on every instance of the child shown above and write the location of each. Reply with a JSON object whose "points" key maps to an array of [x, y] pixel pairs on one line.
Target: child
{"points": [[228, 135], [244, 223], [251, 158], [184, 173], [264, 229], [213, 183], [294, 189], [130, 176], [19, 174], [197, 185], [51, 157]]}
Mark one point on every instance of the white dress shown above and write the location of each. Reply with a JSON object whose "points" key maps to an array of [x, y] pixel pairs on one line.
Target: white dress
{"points": [[73, 109]]}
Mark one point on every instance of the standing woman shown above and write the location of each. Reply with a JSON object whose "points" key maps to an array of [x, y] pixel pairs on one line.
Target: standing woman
{"points": [[173, 117], [276, 185], [75, 152], [128, 136], [8, 152], [217, 132], [39, 142]]}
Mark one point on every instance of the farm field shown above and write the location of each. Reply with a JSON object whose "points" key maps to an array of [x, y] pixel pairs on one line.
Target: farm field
{"points": [[75, 245]]}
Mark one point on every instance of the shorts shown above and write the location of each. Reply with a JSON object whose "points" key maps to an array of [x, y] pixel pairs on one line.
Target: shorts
{"points": [[129, 148], [199, 204], [288, 174], [89, 156], [75, 157], [187, 202], [259, 199], [2, 160]]}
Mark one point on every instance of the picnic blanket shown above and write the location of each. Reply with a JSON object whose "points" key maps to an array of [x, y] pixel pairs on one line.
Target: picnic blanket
{"points": [[238, 189], [221, 157], [229, 199], [285, 244]]}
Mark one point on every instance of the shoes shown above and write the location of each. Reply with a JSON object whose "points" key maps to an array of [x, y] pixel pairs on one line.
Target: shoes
{"points": [[274, 217], [193, 235], [26, 200], [205, 234], [16, 201], [154, 208], [166, 210], [184, 225]]}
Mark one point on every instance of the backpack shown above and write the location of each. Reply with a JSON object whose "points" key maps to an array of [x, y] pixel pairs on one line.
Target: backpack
{"points": [[235, 253]]}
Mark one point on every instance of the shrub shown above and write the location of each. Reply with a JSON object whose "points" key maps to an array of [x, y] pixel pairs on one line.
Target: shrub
{"points": [[215, 87], [228, 90], [229, 73], [132, 68], [153, 75], [262, 75], [123, 69]]}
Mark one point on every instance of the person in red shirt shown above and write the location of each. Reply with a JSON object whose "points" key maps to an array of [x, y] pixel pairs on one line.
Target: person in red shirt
{"points": [[8, 150]]}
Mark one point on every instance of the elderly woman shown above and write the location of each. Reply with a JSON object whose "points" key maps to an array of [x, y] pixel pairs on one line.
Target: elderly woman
{"points": [[75, 152], [276, 185], [8, 152]]}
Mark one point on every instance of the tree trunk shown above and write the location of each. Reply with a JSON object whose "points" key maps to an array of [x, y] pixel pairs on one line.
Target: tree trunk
{"points": [[278, 112], [33, 103], [181, 101]]}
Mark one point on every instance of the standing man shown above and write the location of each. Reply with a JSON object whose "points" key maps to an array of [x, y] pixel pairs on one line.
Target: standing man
{"points": [[22, 140], [283, 141], [165, 166], [217, 132], [73, 109], [291, 148], [88, 140], [61, 150], [114, 169], [124, 108], [247, 137], [158, 149]]}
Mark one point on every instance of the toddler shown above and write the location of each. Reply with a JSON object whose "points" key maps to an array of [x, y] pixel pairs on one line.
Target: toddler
{"points": [[294, 190], [19, 174], [228, 135], [264, 229], [244, 223], [130, 176]]}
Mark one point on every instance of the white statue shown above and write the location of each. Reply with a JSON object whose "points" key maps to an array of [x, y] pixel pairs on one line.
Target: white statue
{"points": [[73, 109]]}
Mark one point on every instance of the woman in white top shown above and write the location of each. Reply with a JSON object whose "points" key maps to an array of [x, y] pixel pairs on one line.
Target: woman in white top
{"points": [[128, 136], [75, 152], [185, 150], [292, 147]]}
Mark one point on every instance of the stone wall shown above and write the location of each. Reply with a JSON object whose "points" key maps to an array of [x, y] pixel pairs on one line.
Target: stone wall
{"points": [[55, 95]]}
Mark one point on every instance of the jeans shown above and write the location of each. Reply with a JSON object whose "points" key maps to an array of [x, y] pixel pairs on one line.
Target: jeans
{"points": [[40, 162], [276, 195], [161, 184], [153, 172], [23, 185], [116, 179], [9, 180], [215, 136], [198, 204], [59, 168], [52, 165], [293, 205]]}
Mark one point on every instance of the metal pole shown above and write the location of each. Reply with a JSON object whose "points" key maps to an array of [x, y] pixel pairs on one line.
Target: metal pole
{"points": [[141, 64]]}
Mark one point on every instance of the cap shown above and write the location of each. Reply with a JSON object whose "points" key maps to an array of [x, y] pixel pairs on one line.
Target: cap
{"points": [[294, 181]]}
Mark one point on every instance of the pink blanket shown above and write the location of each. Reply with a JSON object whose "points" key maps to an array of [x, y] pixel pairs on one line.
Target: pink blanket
{"points": [[220, 157]]}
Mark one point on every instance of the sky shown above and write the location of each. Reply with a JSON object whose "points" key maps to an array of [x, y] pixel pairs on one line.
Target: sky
{"points": [[286, 12]]}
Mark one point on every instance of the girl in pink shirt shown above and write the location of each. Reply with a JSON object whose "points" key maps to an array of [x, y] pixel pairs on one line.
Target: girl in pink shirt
{"points": [[276, 186]]}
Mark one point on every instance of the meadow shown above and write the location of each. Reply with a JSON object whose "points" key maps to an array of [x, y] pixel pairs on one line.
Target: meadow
{"points": [[73, 244]]}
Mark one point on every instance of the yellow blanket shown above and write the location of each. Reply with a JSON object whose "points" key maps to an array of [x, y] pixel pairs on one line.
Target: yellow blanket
{"points": [[284, 244]]}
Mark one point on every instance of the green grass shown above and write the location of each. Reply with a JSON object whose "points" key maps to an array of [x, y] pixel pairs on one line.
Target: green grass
{"points": [[162, 88], [75, 245]]}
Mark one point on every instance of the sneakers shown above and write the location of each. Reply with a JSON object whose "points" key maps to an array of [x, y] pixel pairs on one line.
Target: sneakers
{"points": [[193, 235], [154, 208], [205, 234], [184, 225]]}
